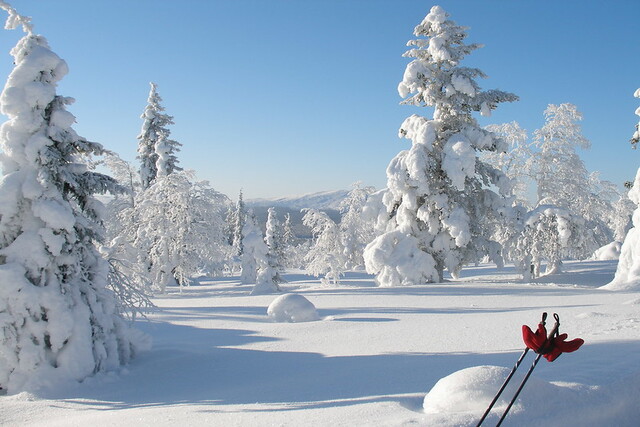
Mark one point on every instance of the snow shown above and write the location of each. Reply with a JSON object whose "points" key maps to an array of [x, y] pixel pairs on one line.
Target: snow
{"points": [[628, 273], [292, 308], [608, 252], [376, 357]]}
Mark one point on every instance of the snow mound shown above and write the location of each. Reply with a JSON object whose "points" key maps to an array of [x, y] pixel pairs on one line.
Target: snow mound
{"points": [[468, 390], [472, 390], [462, 397], [292, 308], [608, 252]]}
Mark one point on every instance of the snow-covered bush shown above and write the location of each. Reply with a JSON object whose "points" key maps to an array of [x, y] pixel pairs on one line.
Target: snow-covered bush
{"points": [[440, 205], [58, 319], [608, 252], [292, 308]]}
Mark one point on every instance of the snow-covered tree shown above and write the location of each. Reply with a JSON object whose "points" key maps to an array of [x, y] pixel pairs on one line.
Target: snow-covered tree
{"points": [[273, 239], [58, 319], [356, 231], [563, 179], [621, 217], [516, 161], [255, 250], [439, 192], [548, 233], [636, 135], [238, 218], [181, 229], [628, 272], [561, 176], [154, 141], [268, 276], [327, 255], [292, 245]]}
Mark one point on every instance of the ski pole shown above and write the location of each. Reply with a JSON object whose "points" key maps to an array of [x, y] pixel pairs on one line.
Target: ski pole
{"points": [[506, 381], [504, 385], [543, 349]]}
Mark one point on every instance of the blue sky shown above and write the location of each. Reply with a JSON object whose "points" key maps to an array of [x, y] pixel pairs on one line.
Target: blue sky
{"points": [[291, 97]]}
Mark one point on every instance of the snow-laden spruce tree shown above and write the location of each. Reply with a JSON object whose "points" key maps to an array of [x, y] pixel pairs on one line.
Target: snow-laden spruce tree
{"points": [[268, 276], [154, 139], [293, 256], [238, 218], [58, 320], [356, 230], [255, 249], [628, 272], [273, 239], [439, 192], [326, 255]]}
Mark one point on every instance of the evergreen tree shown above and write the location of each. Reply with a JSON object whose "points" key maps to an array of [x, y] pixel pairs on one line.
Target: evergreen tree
{"points": [[237, 225], [292, 253], [153, 141], [58, 320], [268, 259], [273, 239], [440, 195], [255, 250]]}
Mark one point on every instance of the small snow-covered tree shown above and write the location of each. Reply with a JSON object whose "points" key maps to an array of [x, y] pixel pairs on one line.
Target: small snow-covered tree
{"points": [[440, 194], [292, 245], [326, 255], [238, 218], [154, 139], [58, 319], [273, 239], [255, 250], [268, 276], [356, 231]]}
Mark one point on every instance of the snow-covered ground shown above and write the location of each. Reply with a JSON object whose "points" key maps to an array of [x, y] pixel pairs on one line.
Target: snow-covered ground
{"points": [[370, 360]]}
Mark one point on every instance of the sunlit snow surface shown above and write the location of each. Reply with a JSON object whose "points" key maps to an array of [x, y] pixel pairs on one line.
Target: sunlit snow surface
{"points": [[429, 355]]}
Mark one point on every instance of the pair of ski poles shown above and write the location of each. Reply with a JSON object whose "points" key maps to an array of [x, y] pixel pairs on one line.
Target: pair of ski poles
{"points": [[542, 349]]}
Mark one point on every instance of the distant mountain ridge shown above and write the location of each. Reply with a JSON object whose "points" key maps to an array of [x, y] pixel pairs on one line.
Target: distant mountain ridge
{"points": [[327, 201], [321, 200]]}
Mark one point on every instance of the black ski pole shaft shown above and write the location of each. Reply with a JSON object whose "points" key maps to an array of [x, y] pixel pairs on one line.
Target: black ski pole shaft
{"points": [[504, 385], [515, 396]]}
